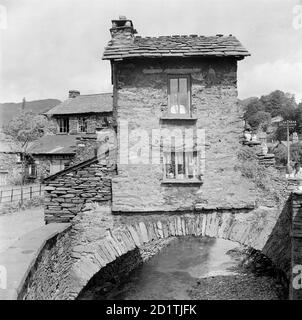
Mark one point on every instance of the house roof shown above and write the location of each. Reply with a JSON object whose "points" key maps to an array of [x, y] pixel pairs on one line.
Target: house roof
{"points": [[54, 144], [177, 46], [92, 103]]}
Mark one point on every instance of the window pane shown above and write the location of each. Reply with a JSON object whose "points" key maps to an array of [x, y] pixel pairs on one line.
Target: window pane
{"points": [[66, 125], [183, 95], [179, 164], [190, 165], [173, 96]]}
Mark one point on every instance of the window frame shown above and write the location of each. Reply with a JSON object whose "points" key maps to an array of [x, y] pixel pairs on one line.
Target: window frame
{"points": [[185, 179], [59, 119], [187, 115], [82, 119]]}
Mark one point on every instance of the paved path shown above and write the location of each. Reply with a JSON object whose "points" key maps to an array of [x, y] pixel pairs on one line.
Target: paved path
{"points": [[14, 225]]}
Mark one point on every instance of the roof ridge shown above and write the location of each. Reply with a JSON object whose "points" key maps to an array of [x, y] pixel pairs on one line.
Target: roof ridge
{"points": [[93, 94], [218, 35]]}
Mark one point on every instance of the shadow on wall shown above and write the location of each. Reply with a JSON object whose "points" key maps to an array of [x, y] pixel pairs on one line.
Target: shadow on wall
{"points": [[115, 273], [278, 245], [296, 245]]}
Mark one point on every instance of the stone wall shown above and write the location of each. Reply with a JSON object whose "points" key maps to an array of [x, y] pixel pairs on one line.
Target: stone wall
{"points": [[43, 163], [8, 163], [296, 243], [37, 265], [48, 277], [86, 148], [67, 192], [142, 100]]}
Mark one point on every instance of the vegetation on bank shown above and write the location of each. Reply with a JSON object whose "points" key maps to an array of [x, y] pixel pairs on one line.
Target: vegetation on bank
{"points": [[12, 207], [268, 179]]}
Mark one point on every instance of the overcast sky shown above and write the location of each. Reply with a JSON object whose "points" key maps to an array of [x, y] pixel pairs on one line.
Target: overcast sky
{"points": [[51, 46]]}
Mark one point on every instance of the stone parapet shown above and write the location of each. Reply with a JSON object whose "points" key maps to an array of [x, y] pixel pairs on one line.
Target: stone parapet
{"points": [[296, 246]]}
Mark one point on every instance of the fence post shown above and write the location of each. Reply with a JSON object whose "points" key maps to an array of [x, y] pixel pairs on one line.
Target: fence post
{"points": [[21, 195], [40, 189], [30, 192], [11, 196]]}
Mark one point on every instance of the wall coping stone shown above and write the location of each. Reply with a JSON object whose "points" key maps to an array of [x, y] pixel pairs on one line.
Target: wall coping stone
{"points": [[20, 258]]}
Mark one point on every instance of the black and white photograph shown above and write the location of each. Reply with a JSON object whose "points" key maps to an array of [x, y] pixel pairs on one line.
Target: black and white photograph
{"points": [[151, 153]]}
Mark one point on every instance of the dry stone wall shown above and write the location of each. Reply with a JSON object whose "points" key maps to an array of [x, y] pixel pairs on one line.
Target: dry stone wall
{"points": [[67, 193]]}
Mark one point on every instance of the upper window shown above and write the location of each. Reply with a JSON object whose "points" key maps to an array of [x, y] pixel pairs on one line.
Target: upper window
{"points": [[179, 96], [63, 124], [82, 124]]}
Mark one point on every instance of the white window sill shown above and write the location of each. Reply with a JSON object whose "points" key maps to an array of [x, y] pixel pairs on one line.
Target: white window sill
{"points": [[182, 181], [179, 118]]}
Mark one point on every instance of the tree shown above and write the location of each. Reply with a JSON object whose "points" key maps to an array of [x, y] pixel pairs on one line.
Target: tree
{"points": [[260, 118], [279, 103], [27, 127]]}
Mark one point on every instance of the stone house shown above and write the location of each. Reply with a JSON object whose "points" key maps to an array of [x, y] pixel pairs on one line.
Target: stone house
{"points": [[179, 91], [178, 128], [10, 162], [77, 120]]}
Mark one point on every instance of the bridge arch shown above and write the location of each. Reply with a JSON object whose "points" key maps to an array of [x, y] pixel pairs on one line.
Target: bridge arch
{"points": [[255, 229]]}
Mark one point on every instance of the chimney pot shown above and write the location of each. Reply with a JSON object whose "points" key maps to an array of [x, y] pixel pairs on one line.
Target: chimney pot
{"points": [[122, 31], [73, 93]]}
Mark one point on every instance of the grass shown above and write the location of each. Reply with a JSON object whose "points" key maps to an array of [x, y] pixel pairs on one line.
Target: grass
{"points": [[17, 206]]}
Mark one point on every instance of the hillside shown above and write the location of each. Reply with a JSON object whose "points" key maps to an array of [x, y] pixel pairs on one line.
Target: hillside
{"points": [[9, 110]]}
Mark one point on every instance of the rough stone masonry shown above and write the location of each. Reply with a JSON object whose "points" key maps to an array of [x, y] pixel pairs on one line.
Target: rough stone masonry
{"points": [[67, 193], [141, 69]]}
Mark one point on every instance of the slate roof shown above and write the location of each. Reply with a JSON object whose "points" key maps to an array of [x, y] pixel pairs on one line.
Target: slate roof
{"points": [[177, 46], [92, 103], [54, 144]]}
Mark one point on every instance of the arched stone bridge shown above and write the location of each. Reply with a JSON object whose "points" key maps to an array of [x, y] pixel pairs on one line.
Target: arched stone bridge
{"points": [[60, 265], [97, 238]]}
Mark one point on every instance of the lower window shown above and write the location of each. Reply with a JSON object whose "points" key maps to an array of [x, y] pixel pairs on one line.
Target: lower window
{"points": [[181, 166]]}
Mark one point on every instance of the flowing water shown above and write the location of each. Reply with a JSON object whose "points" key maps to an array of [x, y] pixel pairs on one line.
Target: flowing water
{"points": [[173, 271]]}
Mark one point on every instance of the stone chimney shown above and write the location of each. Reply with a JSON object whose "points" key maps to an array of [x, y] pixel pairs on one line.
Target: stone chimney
{"points": [[122, 31], [74, 93]]}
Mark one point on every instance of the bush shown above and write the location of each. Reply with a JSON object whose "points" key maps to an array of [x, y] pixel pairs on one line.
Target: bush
{"points": [[268, 179], [247, 154]]}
